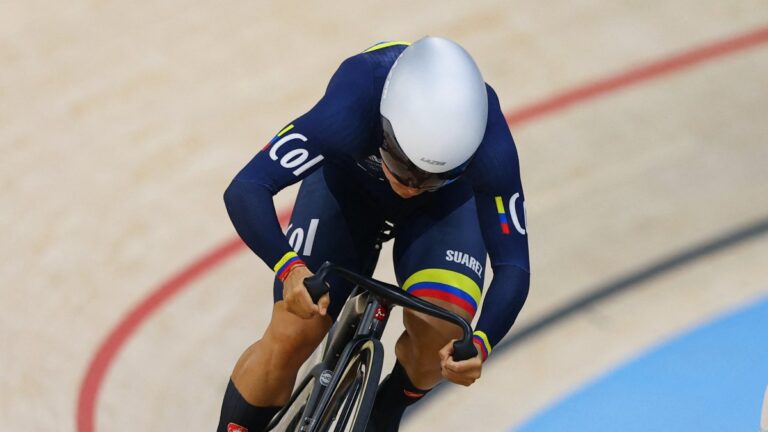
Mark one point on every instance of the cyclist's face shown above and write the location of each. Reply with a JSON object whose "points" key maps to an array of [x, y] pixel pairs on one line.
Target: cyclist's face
{"points": [[399, 188]]}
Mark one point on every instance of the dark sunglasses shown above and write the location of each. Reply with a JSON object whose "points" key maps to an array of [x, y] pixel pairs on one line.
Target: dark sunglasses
{"points": [[405, 171]]}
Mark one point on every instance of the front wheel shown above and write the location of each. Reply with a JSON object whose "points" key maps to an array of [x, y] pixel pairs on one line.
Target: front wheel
{"points": [[351, 401]]}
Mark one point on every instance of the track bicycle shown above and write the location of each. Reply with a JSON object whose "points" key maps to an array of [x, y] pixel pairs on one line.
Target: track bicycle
{"points": [[337, 393]]}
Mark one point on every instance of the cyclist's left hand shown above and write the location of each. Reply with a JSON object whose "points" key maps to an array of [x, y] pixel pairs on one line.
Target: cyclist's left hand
{"points": [[464, 372]]}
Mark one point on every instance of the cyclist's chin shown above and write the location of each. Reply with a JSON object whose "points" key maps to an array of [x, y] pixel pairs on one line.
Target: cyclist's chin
{"points": [[405, 191]]}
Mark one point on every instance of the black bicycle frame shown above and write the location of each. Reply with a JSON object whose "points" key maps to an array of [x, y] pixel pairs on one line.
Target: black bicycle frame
{"points": [[363, 319]]}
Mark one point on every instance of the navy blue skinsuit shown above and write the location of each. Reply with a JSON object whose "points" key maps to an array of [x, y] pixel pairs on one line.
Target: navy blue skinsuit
{"points": [[441, 237]]}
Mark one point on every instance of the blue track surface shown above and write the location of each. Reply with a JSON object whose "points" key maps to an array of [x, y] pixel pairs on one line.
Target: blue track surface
{"points": [[711, 379]]}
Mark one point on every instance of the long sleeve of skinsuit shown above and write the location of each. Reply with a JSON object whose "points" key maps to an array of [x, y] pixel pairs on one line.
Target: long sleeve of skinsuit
{"points": [[328, 130], [495, 175]]}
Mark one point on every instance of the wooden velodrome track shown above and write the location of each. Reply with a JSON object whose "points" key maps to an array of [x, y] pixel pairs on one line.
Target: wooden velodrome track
{"points": [[121, 123]]}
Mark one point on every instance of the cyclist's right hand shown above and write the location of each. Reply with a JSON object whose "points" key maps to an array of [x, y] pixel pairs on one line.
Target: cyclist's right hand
{"points": [[296, 296]]}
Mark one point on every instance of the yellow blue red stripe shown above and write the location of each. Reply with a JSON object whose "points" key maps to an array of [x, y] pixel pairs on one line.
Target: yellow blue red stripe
{"points": [[282, 132], [286, 263], [502, 215], [482, 339], [447, 285]]}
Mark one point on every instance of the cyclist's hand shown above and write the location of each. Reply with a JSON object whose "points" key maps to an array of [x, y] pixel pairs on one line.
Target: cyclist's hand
{"points": [[296, 296], [464, 372]]}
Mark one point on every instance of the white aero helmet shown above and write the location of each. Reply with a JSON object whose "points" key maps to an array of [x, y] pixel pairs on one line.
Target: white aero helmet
{"points": [[434, 110]]}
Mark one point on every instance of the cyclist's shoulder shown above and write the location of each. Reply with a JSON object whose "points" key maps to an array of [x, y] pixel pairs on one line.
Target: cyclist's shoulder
{"points": [[359, 80], [373, 63], [498, 139], [496, 160]]}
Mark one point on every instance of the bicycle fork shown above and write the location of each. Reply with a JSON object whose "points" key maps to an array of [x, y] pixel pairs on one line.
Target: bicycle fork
{"points": [[371, 316]]}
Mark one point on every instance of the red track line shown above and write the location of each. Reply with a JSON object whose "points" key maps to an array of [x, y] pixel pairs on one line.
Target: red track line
{"points": [[102, 360], [639, 74], [89, 389]]}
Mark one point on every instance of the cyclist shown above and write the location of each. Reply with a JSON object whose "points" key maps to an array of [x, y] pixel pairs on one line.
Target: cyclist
{"points": [[405, 134]]}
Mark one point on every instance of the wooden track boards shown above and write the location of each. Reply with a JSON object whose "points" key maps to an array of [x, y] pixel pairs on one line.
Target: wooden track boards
{"points": [[122, 123]]}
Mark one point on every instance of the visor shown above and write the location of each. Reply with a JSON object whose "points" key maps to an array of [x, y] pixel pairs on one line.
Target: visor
{"points": [[405, 171]]}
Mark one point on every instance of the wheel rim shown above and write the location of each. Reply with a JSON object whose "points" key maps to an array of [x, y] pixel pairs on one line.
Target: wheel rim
{"points": [[344, 405], [351, 402]]}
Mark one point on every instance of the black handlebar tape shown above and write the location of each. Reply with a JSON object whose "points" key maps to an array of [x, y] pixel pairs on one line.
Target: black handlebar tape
{"points": [[316, 286], [464, 349]]}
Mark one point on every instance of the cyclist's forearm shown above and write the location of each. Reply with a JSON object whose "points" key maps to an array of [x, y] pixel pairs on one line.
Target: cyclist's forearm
{"points": [[253, 215], [502, 304]]}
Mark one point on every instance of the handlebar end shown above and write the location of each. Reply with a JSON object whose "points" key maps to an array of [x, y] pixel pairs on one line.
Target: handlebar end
{"points": [[464, 349], [316, 287]]}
